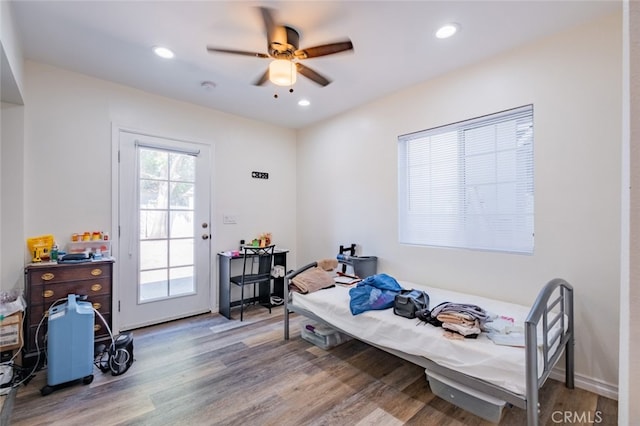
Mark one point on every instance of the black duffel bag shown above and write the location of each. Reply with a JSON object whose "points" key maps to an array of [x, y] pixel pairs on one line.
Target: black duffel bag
{"points": [[408, 302]]}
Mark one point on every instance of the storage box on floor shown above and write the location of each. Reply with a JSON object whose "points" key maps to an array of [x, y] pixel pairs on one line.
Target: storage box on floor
{"points": [[485, 406], [11, 332], [322, 336]]}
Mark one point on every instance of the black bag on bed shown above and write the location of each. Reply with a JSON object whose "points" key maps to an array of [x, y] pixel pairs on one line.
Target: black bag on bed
{"points": [[408, 302]]}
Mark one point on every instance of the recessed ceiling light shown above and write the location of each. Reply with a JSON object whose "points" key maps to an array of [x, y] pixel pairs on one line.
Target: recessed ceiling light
{"points": [[447, 31], [304, 102], [163, 52]]}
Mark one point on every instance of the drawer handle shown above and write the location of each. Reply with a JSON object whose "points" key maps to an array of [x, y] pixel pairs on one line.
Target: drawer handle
{"points": [[96, 272], [96, 287], [47, 276], [97, 306], [96, 327], [47, 293]]}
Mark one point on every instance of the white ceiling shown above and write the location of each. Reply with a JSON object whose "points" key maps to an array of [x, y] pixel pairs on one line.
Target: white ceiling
{"points": [[394, 46]]}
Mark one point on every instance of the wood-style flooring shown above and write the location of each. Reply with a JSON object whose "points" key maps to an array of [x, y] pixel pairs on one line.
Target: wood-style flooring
{"points": [[207, 370]]}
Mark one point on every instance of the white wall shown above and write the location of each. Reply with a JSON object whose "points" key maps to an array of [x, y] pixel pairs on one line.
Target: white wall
{"points": [[12, 60], [629, 378], [11, 154], [12, 199], [68, 146], [634, 295], [347, 182]]}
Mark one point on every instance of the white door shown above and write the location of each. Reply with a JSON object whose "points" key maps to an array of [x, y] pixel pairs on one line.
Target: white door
{"points": [[164, 236]]}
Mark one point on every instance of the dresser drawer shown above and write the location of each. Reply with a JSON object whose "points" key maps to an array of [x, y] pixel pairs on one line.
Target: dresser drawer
{"points": [[49, 293], [57, 273], [99, 328], [101, 303]]}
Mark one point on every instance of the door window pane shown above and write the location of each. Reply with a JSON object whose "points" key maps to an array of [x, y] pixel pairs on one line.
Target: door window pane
{"points": [[183, 167], [153, 224], [154, 194], [181, 252], [182, 224], [153, 164], [153, 254], [181, 281], [181, 195], [153, 285]]}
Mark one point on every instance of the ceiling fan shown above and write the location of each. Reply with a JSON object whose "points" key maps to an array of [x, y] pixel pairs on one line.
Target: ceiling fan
{"points": [[282, 47]]}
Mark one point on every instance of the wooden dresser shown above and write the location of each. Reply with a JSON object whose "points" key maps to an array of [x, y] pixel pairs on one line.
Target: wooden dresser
{"points": [[47, 283]]}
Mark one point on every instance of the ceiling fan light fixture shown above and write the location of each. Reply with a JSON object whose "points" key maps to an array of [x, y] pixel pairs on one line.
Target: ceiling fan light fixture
{"points": [[447, 30], [282, 72]]}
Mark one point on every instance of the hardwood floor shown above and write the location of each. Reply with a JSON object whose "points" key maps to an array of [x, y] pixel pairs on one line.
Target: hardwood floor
{"points": [[207, 370]]}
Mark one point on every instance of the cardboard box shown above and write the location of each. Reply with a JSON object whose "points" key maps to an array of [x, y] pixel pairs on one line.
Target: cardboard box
{"points": [[11, 332]]}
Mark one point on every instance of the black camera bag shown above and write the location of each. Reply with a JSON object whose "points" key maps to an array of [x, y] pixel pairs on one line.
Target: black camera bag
{"points": [[408, 302]]}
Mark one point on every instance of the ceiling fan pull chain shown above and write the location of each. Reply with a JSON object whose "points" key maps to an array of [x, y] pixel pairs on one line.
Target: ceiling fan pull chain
{"points": [[291, 71]]}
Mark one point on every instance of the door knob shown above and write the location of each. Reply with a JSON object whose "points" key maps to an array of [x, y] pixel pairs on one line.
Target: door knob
{"points": [[205, 236]]}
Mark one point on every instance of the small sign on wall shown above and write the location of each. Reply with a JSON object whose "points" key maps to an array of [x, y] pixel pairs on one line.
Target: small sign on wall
{"points": [[260, 175]]}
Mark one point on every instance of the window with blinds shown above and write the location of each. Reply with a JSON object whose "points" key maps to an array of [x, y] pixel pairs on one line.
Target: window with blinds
{"points": [[469, 184]]}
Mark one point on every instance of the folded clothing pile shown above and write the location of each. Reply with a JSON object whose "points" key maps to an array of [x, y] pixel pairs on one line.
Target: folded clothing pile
{"points": [[505, 331], [461, 318]]}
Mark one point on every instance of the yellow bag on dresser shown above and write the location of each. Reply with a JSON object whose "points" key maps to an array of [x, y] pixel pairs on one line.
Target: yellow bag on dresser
{"points": [[40, 247]]}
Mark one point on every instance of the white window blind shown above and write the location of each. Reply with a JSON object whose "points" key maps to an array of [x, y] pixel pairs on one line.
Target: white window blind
{"points": [[469, 184]]}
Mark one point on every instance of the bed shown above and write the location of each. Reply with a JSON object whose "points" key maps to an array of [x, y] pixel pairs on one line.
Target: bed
{"points": [[507, 373]]}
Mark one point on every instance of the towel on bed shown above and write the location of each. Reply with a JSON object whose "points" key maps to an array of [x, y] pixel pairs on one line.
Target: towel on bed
{"points": [[311, 280], [328, 264]]}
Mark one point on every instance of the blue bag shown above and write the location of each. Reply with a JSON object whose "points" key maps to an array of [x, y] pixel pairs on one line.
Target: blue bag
{"points": [[373, 293]]}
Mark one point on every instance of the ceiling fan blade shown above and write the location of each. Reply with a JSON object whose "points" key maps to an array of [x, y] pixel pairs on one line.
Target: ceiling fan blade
{"points": [[263, 79], [312, 75], [269, 24], [237, 52], [323, 50]]}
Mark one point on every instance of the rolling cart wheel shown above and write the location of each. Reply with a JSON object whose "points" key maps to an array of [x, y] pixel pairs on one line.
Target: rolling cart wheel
{"points": [[46, 390], [88, 379]]}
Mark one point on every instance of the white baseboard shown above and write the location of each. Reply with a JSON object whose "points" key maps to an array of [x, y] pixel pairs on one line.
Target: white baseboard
{"points": [[599, 387]]}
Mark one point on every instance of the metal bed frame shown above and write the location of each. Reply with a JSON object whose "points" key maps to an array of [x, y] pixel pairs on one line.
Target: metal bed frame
{"points": [[553, 345]]}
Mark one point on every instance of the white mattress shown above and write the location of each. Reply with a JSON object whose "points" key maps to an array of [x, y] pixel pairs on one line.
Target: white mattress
{"points": [[503, 366]]}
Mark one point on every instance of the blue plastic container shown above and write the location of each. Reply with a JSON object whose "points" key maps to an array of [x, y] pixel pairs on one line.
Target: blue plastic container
{"points": [[70, 341]]}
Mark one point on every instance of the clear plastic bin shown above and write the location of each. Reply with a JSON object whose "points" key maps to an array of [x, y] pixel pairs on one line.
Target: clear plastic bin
{"points": [[322, 336], [82, 246], [482, 405]]}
